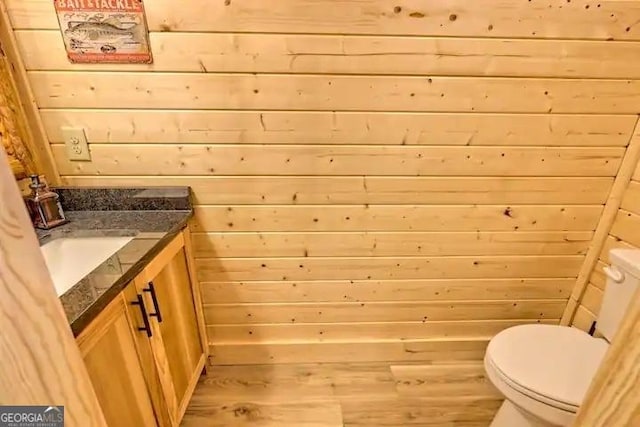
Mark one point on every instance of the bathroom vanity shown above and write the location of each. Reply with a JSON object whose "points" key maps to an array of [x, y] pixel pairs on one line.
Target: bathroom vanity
{"points": [[125, 275], [144, 352]]}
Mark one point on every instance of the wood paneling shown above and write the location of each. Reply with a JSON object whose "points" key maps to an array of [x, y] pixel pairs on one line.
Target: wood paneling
{"points": [[385, 290], [278, 244], [626, 226], [624, 234], [395, 218], [611, 243], [631, 200], [326, 268], [322, 190], [325, 93], [578, 19], [592, 299], [369, 159], [415, 311], [316, 351], [583, 318], [341, 160], [608, 217], [353, 331], [13, 130], [21, 127], [636, 173], [314, 127], [286, 53], [621, 231]]}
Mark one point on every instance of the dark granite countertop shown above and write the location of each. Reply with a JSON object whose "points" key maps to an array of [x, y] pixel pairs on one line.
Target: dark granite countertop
{"points": [[151, 230]]}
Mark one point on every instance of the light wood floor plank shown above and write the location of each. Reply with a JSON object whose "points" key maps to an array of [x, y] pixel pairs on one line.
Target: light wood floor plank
{"points": [[400, 412], [344, 394], [323, 414], [297, 382], [463, 380]]}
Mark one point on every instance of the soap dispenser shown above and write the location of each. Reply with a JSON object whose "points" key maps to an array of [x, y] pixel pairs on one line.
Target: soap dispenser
{"points": [[44, 205]]}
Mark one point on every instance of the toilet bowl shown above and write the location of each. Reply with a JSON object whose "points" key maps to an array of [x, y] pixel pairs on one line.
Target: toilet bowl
{"points": [[544, 371]]}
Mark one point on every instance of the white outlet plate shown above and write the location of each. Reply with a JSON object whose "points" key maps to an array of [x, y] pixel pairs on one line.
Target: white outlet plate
{"points": [[76, 142]]}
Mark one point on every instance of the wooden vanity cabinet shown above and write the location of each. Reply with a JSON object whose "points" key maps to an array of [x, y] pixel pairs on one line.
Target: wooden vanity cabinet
{"points": [[108, 348], [177, 333], [153, 348]]}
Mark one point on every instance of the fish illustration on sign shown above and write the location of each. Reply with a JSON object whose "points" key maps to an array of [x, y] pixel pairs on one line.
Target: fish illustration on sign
{"points": [[97, 31], [104, 34]]}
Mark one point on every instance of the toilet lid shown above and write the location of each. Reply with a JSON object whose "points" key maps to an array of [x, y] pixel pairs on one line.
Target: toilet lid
{"points": [[556, 363]]}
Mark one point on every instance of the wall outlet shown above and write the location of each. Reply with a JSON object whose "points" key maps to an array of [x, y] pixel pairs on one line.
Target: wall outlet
{"points": [[76, 142]]}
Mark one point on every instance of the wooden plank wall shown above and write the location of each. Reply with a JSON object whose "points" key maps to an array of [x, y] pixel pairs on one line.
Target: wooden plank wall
{"points": [[23, 136], [13, 131], [625, 233], [374, 180]]}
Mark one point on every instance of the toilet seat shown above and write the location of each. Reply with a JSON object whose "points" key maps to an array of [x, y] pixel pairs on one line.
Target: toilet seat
{"points": [[528, 393], [550, 364]]}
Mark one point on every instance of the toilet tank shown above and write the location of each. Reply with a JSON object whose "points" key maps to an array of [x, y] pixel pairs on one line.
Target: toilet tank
{"points": [[623, 278]]}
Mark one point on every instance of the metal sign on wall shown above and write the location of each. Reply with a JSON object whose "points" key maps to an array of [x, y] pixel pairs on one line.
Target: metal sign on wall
{"points": [[104, 31]]}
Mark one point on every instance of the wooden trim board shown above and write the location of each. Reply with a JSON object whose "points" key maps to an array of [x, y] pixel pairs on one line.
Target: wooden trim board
{"points": [[623, 178]]}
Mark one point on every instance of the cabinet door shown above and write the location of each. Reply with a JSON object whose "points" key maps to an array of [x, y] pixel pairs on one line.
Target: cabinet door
{"points": [[176, 342], [145, 353], [109, 352]]}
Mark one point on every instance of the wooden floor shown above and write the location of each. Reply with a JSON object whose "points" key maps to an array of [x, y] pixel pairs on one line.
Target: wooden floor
{"points": [[330, 395]]}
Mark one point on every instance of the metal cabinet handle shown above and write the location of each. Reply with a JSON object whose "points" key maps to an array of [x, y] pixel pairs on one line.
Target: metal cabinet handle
{"points": [[152, 290], [145, 318]]}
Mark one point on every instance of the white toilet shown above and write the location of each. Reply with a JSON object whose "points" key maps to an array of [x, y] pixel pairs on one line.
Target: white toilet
{"points": [[544, 371]]}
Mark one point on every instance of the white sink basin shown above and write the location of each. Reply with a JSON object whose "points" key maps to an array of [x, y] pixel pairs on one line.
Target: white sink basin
{"points": [[70, 260]]}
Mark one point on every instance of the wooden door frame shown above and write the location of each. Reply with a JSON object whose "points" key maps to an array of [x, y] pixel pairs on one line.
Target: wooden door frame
{"points": [[40, 363]]}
